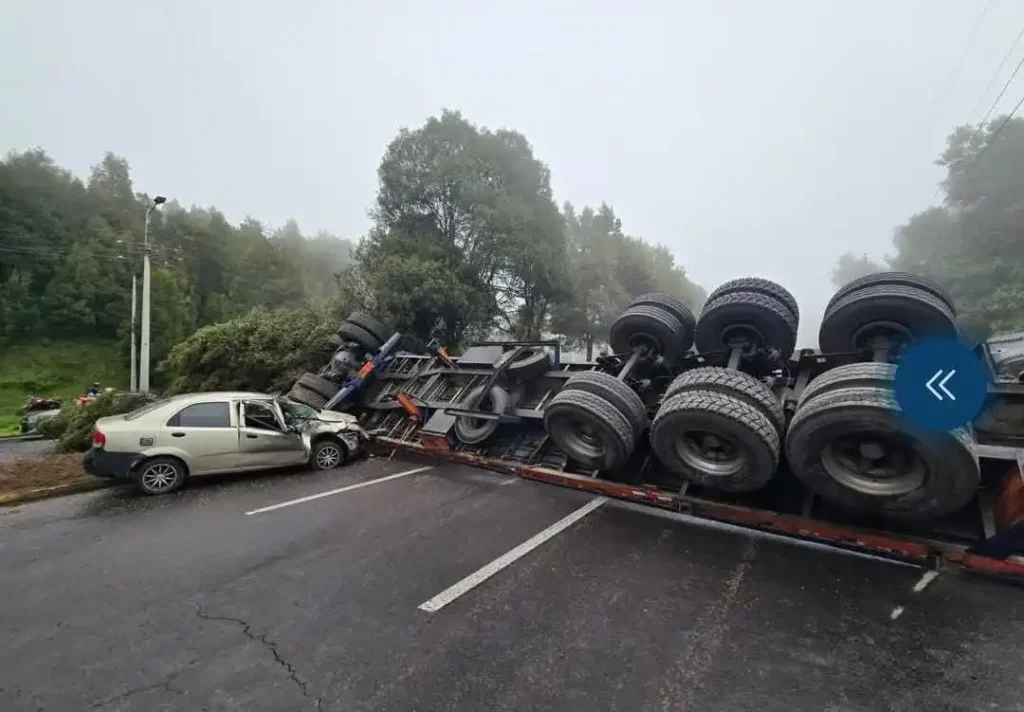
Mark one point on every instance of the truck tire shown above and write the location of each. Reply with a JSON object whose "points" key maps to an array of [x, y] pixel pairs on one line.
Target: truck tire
{"points": [[359, 335], [894, 279], [909, 313], [473, 431], [531, 363], [734, 383], [717, 440], [757, 317], [852, 447], [759, 286], [334, 341], [320, 386], [674, 307], [368, 322], [621, 396], [589, 429], [651, 327], [301, 394], [854, 375]]}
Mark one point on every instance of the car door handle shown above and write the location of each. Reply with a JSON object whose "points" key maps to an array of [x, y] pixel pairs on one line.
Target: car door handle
{"points": [[177, 435], [251, 436]]}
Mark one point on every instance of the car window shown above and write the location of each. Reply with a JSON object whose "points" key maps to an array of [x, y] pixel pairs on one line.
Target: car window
{"points": [[260, 415], [203, 415], [147, 408]]}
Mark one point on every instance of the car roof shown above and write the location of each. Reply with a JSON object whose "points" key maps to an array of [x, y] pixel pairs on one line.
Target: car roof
{"points": [[219, 395]]}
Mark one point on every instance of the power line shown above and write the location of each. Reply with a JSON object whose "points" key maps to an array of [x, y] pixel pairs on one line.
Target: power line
{"points": [[963, 55], [995, 134], [995, 103], [995, 75]]}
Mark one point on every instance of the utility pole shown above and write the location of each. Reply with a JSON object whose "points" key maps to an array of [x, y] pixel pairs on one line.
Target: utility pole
{"points": [[144, 351], [134, 387]]}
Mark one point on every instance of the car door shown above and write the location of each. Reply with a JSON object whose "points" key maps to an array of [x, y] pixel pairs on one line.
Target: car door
{"points": [[263, 439], [207, 434]]}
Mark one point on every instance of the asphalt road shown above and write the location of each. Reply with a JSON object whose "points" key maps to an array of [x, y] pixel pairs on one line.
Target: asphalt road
{"points": [[114, 602]]}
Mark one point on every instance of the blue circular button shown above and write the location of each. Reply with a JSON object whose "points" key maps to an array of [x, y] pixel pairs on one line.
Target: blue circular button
{"points": [[940, 384]]}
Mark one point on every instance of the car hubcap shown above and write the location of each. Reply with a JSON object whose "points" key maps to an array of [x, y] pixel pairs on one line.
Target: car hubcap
{"points": [[328, 457], [158, 478], [874, 464]]}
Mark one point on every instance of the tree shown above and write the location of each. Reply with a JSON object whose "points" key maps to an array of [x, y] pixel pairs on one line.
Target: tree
{"points": [[850, 267], [469, 212], [607, 269], [973, 244]]}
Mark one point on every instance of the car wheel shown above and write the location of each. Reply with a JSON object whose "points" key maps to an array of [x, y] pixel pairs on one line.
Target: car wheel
{"points": [[160, 475], [328, 454]]}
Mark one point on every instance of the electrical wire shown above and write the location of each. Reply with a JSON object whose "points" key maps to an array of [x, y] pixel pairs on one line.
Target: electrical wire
{"points": [[963, 55], [995, 75], [995, 134]]}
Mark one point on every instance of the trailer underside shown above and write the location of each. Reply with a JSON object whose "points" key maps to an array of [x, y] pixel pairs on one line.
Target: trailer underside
{"points": [[412, 406]]}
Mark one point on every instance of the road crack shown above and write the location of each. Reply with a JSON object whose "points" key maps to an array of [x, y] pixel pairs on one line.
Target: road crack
{"points": [[261, 638], [164, 684]]}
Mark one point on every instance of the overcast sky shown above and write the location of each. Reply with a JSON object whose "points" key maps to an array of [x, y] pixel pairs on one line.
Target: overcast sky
{"points": [[751, 137]]}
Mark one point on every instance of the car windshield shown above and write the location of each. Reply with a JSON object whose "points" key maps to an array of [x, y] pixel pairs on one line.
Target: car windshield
{"points": [[297, 411]]}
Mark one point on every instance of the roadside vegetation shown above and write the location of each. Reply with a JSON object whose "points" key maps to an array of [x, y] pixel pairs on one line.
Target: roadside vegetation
{"points": [[467, 241], [60, 368]]}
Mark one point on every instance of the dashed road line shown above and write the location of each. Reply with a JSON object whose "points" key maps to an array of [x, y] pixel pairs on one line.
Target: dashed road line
{"points": [[482, 574], [328, 493], [928, 577]]}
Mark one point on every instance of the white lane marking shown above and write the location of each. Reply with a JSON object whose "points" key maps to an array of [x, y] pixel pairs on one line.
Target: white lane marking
{"points": [[896, 612], [482, 574], [928, 577], [328, 493]]}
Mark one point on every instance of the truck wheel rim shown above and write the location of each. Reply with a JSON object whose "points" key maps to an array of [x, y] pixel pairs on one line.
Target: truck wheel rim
{"points": [[582, 439], [328, 457], [159, 477], [874, 464], [710, 453]]}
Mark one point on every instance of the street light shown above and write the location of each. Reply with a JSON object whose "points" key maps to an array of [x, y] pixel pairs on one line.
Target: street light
{"points": [[144, 352]]}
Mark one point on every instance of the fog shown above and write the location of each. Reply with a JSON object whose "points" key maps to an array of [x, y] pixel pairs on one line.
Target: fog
{"points": [[752, 138]]}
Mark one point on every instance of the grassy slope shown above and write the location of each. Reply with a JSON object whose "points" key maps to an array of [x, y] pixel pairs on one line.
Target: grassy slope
{"points": [[54, 368]]}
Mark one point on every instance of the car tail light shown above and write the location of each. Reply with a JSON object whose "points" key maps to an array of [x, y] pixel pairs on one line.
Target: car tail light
{"points": [[98, 439]]}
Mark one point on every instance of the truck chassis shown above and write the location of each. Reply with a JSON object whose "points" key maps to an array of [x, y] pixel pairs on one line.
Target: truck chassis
{"points": [[435, 405]]}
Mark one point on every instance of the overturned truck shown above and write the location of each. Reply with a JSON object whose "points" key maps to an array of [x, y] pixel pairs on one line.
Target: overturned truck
{"points": [[721, 417]]}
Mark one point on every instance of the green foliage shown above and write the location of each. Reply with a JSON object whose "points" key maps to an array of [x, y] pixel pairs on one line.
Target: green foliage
{"points": [[467, 237], [68, 251], [973, 244], [259, 351], [607, 269], [850, 267], [72, 429], [59, 368]]}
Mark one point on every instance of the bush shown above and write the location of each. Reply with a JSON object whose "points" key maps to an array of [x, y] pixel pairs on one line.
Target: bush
{"points": [[72, 429], [260, 351]]}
